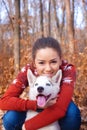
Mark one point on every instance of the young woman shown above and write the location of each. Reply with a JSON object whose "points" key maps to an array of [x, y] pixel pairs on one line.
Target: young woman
{"points": [[47, 60]]}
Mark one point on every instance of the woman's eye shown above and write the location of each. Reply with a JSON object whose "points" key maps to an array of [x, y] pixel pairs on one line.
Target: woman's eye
{"points": [[54, 61], [41, 62]]}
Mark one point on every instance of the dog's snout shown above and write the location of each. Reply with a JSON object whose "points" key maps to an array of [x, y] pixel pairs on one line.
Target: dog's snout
{"points": [[40, 89]]}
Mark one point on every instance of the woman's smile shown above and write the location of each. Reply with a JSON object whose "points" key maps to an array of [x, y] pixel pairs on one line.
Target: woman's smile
{"points": [[48, 74]]}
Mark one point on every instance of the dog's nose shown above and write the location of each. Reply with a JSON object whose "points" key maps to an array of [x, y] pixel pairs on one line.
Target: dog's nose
{"points": [[40, 89]]}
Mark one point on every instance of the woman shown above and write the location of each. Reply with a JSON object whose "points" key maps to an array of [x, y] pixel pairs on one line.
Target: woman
{"points": [[47, 60]]}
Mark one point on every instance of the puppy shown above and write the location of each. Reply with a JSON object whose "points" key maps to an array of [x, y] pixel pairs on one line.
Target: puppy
{"points": [[43, 89]]}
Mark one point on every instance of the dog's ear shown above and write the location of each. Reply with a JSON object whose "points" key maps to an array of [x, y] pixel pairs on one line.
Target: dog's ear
{"points": [[57, 78], [31, 77]]}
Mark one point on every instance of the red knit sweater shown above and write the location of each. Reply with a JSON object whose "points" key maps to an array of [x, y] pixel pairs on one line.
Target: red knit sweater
{"points": [[11, 100]]}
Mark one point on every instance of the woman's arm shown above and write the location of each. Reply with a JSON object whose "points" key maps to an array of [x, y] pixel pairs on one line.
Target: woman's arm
{"points": [[59, 109], [11, 99]]}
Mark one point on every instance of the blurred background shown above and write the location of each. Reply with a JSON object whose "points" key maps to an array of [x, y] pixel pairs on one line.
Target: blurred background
{"points": [[23, 21]]}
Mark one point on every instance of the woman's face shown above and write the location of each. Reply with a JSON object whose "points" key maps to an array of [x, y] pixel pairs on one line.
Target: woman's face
{"points": [[47, 61]]}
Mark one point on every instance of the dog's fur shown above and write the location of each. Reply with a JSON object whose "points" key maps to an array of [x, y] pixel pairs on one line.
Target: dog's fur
{"points": [[43, 89]]}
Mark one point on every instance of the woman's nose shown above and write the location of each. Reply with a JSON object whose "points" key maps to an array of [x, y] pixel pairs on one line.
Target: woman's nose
{"points": [[48, 67]]}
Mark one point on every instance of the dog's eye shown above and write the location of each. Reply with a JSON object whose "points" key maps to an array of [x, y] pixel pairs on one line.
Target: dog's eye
{"points": [[48, 84], [36, 84]]}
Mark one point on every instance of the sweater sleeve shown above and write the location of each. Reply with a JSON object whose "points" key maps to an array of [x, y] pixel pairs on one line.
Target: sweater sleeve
{"points": [[11, 99], [58, 110]]}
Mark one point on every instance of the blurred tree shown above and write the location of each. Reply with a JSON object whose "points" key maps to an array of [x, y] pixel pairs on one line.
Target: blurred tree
{"points": [[41, 18], [16, 32], [26, 17], [69, 25], [56, 19], [84, 3], [49, 19]]}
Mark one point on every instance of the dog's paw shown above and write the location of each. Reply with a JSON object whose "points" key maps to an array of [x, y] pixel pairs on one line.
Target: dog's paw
{"points": [[23, 127]]}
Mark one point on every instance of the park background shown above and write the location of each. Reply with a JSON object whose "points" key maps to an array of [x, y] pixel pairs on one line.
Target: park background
{"points": [[23, 21]]}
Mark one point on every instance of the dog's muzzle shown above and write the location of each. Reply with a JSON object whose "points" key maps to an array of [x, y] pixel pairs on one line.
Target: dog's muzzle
{"points": [[40, 89]]}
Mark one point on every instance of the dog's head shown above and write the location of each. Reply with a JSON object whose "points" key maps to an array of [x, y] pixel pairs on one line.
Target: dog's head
{"points": [[43, 88]]}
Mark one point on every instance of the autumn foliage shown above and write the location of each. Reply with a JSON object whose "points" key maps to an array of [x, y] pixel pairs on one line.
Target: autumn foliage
{"points": [[78, 59]]}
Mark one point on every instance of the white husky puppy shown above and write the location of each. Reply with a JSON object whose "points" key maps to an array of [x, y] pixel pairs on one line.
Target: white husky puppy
{"points": [[43, 89]]}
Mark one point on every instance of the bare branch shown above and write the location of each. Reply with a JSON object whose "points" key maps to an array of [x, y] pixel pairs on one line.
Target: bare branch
{"points": [[8, 14]]}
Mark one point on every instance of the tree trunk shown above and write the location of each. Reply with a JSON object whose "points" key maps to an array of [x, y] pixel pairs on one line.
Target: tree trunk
{"points": [[69, 26], [25, 2], [41, 18], [17, 37], [56, 20], [85, 19], [49, 19]]}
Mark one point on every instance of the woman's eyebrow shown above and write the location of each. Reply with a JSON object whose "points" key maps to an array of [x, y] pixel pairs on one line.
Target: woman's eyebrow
{"points": [[53, 59], [40, 60], [44, 60]]}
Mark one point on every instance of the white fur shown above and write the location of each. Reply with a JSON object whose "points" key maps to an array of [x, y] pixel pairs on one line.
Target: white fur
{"points": [[51, 86]]}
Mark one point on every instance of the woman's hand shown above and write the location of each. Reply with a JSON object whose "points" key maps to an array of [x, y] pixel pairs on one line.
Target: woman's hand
{"points": [[51, 102], [23, 127]]}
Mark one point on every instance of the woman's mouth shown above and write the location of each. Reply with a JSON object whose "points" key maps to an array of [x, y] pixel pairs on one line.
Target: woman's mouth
{"points": [[48, 74]]}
